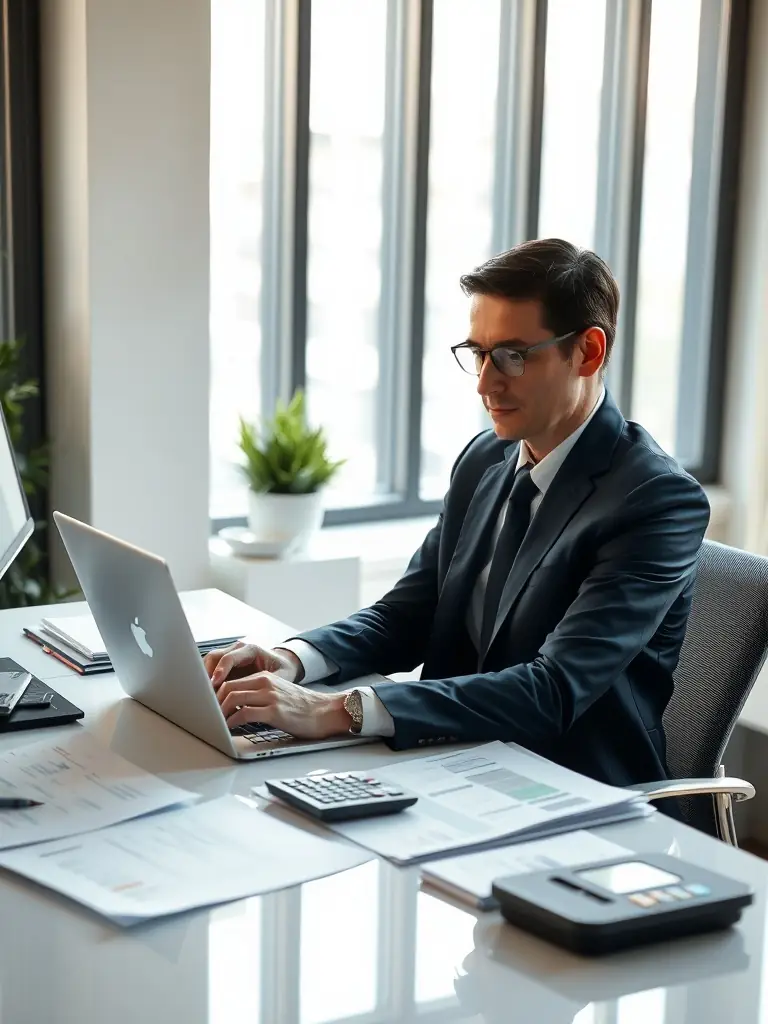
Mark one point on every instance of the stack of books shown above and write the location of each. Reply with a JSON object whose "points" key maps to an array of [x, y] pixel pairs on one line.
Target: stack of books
{"points": [[77, 643]]}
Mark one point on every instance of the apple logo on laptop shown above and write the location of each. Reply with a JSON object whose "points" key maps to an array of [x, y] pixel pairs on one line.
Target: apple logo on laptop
{"points": [[140, 636]]}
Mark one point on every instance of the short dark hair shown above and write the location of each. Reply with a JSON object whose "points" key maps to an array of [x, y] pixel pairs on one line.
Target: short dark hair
{"points": [[575, 287]]}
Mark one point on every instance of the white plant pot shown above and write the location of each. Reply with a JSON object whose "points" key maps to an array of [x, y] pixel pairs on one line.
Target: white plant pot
{"points": [[288, 519]]}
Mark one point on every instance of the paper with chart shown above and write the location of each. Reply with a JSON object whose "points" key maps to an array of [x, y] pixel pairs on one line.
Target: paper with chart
{"points": [[82, 786], [196, 856], [485, 796], [469, 876]]}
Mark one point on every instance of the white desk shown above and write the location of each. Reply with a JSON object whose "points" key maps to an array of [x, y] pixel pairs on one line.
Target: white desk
{"points": [[363, 946]]}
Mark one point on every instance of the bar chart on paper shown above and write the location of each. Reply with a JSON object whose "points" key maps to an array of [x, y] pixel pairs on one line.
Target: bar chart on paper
{"points": [[488, 796]]}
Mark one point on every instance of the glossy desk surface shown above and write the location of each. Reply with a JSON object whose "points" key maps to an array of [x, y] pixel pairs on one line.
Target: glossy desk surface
{"points": [[367, 945]]}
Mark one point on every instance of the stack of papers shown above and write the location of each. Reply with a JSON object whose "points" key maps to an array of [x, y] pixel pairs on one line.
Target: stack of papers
{"points": [[484, 797], [469, 878], [98, 837], [192, 857], [81, 786], [77, 642]]}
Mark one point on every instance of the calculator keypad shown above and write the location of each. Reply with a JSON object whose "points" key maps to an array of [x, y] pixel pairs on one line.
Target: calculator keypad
{"points": [[341, 795], [342, 787]]}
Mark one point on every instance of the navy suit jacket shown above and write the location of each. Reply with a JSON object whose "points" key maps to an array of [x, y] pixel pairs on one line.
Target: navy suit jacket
{"points": [[590, 622]]}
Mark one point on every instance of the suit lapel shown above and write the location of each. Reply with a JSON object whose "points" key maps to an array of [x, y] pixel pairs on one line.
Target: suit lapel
{"points": [[472, 546], [590, 457]]}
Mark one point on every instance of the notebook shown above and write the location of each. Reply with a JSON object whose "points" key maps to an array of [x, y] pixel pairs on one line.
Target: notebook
{"points": [[216, 620], [81, 634]]}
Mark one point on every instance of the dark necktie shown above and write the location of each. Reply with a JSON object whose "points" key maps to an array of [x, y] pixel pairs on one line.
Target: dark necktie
{"points": [[513, 530]]}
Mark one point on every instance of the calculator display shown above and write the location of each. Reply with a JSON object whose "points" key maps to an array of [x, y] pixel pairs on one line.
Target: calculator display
{"points": [[630, 876]]}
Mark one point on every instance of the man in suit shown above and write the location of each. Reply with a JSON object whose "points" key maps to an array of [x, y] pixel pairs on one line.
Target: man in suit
{"points": [[549, 602]]}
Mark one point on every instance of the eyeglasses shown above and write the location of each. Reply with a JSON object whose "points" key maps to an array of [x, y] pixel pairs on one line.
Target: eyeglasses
{"points": [[507, 357]]}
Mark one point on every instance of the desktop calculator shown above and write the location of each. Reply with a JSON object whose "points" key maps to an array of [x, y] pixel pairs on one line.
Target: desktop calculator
{"points": [[341, 796]]}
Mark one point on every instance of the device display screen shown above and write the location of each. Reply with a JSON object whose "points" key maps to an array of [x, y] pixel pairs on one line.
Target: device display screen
{"points": [[629, 877]]}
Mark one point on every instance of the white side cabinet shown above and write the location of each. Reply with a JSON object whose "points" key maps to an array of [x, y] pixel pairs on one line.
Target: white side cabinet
{"points": [[305, 590]]}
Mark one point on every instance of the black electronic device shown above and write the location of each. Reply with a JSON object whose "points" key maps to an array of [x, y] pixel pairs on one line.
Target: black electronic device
{"points": [[341, 796], [14, 686], [611, 905], [40, 706]]}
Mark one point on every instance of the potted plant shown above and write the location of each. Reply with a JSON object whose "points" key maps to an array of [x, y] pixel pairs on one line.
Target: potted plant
{"points": [[286, 464], [26, 582]]}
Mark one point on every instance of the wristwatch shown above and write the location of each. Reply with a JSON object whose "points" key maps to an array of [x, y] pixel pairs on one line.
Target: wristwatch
{"points": [[353, 705]]}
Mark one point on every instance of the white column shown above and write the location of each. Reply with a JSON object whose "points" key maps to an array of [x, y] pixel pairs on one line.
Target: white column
{"points": [[126, 98], [744, 462]]}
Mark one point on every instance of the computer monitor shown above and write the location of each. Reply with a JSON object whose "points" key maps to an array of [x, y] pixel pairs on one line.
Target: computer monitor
{"points": [[16, 524]]}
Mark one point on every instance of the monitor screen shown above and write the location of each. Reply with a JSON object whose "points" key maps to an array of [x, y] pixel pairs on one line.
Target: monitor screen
{"points": [[16, 526]]}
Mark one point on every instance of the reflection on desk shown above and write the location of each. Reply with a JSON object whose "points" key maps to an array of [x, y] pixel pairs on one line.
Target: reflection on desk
{"points": [[364, 945]]}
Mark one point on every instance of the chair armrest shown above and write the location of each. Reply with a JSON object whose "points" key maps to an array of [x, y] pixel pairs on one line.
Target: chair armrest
{"points": [[737, 788]]}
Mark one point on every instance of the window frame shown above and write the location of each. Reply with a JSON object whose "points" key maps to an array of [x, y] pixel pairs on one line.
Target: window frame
{"points": [[515, 203]]}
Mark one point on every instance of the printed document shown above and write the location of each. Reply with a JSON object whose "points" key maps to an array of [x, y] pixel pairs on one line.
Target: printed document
{"points": [[196, 856], [82, 786], [469, 877], [486, 796]]}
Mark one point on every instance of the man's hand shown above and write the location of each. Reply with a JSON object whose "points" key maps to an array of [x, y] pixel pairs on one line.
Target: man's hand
{"points": [[239, 660], [255, 685], [266, 697]]}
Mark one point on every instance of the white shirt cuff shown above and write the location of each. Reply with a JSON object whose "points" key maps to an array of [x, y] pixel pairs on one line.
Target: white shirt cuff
{"points": [[316, 666], [377, 721]]}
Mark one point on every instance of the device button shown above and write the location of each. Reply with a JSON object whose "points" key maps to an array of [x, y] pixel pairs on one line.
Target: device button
{"points": [[697, 889], [679, 893], [661, 896], [642, 899]]}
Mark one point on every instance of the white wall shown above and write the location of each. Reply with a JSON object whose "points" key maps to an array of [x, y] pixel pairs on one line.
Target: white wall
{"points": [[126, 95], [745, 442]]}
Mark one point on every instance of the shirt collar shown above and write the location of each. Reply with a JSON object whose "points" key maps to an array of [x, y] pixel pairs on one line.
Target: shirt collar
{"points": [[544, 472]]}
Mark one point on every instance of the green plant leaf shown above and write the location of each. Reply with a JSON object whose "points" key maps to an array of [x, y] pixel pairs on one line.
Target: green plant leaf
{"points": [[283, 455], [26, 581]]}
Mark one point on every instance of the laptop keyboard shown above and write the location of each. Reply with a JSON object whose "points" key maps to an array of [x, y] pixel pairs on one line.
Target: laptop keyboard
{"points": [[257, 732]]}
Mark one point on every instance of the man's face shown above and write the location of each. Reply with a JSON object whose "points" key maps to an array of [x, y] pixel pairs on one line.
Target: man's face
{"points": [[531, 406]]}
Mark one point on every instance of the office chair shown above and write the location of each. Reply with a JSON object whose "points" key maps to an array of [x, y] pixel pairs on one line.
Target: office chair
{"points": [[725, 646]]}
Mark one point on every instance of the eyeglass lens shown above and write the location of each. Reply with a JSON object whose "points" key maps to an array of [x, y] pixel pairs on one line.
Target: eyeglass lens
{"points": [[505, 360]]}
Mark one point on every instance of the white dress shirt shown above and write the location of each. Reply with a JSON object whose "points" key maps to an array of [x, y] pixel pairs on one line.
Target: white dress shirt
{"points": [[377, 721]]}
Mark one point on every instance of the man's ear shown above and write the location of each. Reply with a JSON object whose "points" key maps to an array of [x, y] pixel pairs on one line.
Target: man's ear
{"points": [[592, 345]]}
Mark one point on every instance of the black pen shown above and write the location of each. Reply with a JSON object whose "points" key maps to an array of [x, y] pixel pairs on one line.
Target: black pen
{"points": [[10, 803]]}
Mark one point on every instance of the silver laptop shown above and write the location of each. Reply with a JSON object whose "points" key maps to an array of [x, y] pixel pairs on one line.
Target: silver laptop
{"points": [[136, 606]]}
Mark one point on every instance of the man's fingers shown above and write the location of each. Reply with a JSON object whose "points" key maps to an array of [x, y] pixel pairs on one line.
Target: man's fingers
{"points": [[212, 658], [242, 699], [248, 684], [232, 658]]}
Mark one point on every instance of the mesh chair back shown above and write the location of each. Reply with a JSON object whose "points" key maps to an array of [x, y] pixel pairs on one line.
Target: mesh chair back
{"points": [[725, 646]]}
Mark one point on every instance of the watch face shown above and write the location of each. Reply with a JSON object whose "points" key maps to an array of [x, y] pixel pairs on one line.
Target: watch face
{"points": [[354, 707]]}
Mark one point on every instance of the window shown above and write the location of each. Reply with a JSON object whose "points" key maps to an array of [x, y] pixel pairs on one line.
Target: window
{"points": [[352, 185], [346, 126], [573, 76], [465, 50], [666, 207]]}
